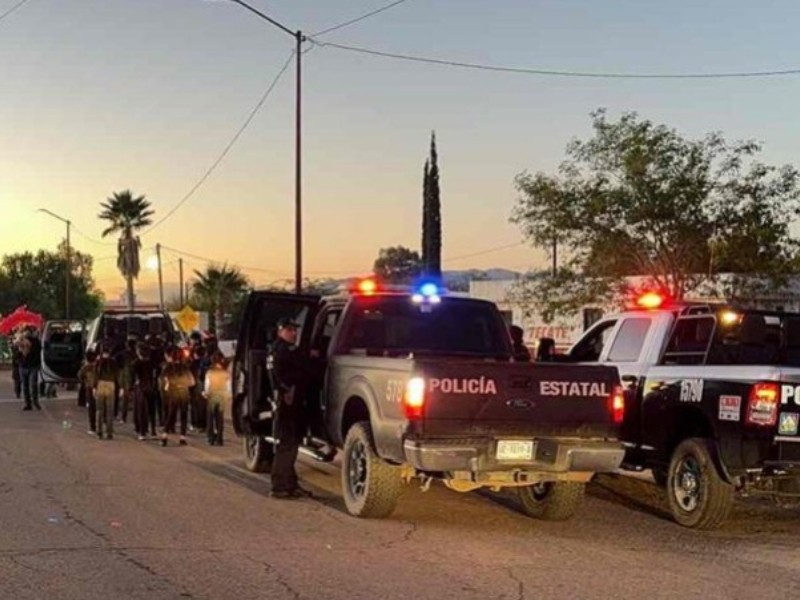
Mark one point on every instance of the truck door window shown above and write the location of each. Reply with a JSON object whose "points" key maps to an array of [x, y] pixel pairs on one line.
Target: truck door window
{"points": [[629, 342], [325, 334], [591, 346], [689, 341]]}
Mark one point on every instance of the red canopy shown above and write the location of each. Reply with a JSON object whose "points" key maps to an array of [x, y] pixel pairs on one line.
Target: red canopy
{"points": [[21, 317]]}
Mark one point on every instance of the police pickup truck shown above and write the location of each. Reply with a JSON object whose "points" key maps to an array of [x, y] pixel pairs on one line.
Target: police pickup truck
{"points": [[423, 385], [713, 400]]}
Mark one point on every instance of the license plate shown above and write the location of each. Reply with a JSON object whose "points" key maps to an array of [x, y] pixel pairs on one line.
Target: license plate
{"points": [[514, 450]]}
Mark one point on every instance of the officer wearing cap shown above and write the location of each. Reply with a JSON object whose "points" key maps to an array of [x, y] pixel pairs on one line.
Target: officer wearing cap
{"points": [[289, 374]]}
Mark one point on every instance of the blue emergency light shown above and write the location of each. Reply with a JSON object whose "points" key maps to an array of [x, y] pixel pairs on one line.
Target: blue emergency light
{"points": [[427, 291]]}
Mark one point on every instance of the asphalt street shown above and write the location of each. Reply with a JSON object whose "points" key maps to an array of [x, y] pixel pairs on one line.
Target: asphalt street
{"points": [[85, 519]]}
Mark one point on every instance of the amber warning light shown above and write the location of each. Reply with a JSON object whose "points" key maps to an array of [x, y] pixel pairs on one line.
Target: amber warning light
{"points": [[650, 300]]}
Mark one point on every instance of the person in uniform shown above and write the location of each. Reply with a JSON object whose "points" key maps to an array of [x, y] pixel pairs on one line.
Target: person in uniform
{"points": [[127, 362], [217, 391], [106, 376], [289, 376], [521, 352], [88, 381], [176, 381], [145, 393]]}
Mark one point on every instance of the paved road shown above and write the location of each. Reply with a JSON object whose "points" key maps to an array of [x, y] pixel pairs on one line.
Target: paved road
{"points": [[87, 520]]}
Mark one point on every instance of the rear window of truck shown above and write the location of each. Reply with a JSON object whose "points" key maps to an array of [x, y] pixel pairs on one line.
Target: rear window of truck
{"points": [[397, 326], [735, 338]]}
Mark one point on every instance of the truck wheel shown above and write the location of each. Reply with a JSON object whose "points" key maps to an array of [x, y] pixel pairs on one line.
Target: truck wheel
{"points": [[698, 497], [371, 486], [552, 500], [258, 453]]}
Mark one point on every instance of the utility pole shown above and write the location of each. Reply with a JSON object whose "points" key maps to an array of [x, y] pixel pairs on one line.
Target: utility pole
{"points": [[68, 276], [555, 255], [298, 200], [180, 276], [68, 259], [160, 278], [298, 183]]}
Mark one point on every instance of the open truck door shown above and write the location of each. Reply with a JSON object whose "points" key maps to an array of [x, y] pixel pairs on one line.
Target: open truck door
{"points": [[63, 344], [252, 407]]}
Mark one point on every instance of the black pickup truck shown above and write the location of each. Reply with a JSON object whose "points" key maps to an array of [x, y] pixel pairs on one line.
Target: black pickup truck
{"points": [[412, 386], [714, 401]]}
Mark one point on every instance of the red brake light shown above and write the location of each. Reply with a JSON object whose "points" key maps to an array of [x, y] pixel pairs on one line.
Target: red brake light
{"points": [[616, 405], [414, 398], [762, 406], [650, 300]]}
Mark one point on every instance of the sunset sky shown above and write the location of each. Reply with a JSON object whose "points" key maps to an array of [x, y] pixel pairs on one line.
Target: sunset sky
{"points": [[101, 95]]}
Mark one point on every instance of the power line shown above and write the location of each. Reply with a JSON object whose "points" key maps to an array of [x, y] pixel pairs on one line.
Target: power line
{"points": [[557, 73], [91, 239], [227, 149], [206, 260], [358, 19], [482, 252], [12, 9]]}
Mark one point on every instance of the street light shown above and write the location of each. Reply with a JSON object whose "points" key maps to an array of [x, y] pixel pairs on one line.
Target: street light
{"points": [[298, 219], [69, 259]]}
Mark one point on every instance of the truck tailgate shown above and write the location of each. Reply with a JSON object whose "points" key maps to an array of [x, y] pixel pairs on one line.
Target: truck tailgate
{"points": [[491, 398]]}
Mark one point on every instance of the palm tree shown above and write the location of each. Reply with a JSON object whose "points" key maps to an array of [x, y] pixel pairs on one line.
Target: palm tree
{"points": [[127, 215], [217, 290]]}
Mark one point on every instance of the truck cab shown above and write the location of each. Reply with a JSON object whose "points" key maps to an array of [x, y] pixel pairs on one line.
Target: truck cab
{"points": [[710, 407]]}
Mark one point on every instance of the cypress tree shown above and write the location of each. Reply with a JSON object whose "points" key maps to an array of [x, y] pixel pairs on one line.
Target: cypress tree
{"points": [[431, 216]]}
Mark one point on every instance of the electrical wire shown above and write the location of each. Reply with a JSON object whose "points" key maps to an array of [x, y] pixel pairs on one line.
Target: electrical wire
{"points": [[89, 238], [12, 9], [482, 252], [358, 19], [227, 149], [557, 73], [207, 260]]}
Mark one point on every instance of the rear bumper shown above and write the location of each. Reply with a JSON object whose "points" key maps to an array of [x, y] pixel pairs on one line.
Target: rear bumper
{"points": [[551, 455]]}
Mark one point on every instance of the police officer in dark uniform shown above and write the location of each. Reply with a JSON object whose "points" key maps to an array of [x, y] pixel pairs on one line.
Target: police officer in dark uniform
{"points": [[290, 372]]}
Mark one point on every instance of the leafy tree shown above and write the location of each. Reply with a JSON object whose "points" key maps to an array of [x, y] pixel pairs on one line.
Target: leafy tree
{"points": [[320, 287], [38, 280], [431, 215], [217, 290], [640, 199], [398, 264], [127, 215]]}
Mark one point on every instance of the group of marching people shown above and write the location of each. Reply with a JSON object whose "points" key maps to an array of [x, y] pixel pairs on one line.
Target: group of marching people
{"points": [[160, 384]]}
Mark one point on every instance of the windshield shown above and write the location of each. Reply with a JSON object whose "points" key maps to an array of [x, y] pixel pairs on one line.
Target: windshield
{"points": [[396, 325], [121, 326]]}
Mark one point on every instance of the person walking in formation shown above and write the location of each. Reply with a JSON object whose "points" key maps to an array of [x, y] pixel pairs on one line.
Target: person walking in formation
{"points": [[88, 381], [106, 376], [176, 381], [217, 391]]}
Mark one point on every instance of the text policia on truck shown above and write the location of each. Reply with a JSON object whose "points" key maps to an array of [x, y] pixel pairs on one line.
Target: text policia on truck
{"points": [[414, 383]]}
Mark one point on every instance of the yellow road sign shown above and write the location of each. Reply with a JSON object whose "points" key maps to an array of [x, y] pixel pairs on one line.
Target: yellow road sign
{"points": [[188, 319]]}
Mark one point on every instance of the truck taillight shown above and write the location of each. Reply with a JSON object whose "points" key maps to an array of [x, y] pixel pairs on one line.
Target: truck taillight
{"points": [[762, 407], [414, 398], [616, 405]]}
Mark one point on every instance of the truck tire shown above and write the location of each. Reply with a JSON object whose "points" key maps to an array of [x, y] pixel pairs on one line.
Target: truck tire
{"points": [[258, 453], [552, 500], [371, 486], [698, 497]]}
